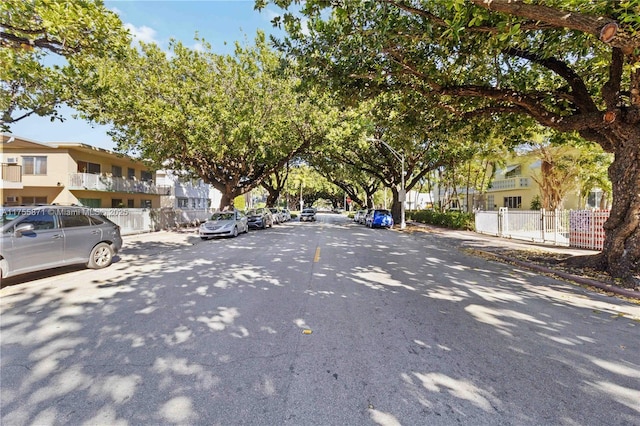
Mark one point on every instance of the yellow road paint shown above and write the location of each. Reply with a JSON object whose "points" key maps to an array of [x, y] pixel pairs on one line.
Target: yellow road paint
{"points": [[316, 258]]}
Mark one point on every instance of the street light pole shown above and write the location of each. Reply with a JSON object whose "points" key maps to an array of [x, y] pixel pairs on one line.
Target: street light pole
{"points": [[402, 195]]}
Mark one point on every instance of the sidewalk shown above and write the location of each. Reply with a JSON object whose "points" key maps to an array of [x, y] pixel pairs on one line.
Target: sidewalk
{"points": [[494, 245], [490, 241], [158, 241]]}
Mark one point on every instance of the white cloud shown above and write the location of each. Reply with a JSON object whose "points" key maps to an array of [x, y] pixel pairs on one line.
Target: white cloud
{"points": [[143, 33], [199, 47]]}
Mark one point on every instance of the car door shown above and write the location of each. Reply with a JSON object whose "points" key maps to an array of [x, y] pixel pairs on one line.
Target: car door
{"points": [[40, 248], [79, 235], [241, 218]]}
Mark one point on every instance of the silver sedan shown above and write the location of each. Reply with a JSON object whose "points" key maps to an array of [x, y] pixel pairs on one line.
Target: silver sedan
{"points": [[224, 224]]}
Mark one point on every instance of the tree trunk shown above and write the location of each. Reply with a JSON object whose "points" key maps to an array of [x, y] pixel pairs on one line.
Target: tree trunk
{"points": [[620, 256], [622, 229], [396, 207], [273, 196], [229, 193], [226, 202]]}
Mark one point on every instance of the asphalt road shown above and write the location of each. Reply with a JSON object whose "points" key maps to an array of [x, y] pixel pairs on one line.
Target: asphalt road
{"points": [[326, 323]]}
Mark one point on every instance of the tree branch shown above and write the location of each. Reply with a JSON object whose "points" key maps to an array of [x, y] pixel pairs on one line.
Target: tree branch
{"points": [[603, 28], [581, 97]]}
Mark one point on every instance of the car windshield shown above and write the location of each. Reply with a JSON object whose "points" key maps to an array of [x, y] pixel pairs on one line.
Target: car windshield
{"points": [[307, 211], [383, 212], [253, 213], [222, 216]]}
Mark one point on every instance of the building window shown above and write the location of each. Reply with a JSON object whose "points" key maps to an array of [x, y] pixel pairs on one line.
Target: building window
{"points": [[491, 202], [116, 171], [513, 202], [130, 203], [34, 165], [87, 167], [131, 173], [34, 200], [145, 204], [513, 171], [116, 202], [90, 202], [183, 203], [146, 176]]}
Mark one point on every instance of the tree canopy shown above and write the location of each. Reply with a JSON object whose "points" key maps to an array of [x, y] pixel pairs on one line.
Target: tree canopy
{"points": [[232, 120], [572, 66], [44, 46]]}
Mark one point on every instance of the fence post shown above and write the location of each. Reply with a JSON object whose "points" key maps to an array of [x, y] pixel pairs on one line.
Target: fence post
{"points": [[556, 215], [592, 229], [502, 221]]}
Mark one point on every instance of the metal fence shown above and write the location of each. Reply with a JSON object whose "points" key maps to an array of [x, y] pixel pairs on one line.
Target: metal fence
{"points": [[575, 228]]}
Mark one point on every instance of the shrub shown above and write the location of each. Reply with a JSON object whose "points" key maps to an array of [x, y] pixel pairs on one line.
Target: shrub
{"points": [[453, 220]]}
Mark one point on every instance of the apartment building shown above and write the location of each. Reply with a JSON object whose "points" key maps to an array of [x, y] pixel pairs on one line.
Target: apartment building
{"points": [[186, 193], [512, 186], [73, 173]]}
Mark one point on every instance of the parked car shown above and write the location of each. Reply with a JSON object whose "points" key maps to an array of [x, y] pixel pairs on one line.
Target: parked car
{"points": [[277, 216], [49, 236], [380, 218], [359, 216], [367, 217], [225, 223], [286, 214], [260, 218], [308, 215]]}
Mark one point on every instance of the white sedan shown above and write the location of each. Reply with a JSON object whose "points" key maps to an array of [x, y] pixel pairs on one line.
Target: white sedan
{"points": [[224, 224]]}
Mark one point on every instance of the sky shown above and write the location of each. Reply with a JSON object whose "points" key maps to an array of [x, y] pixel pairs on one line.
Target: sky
{"points": [[220, 22]]}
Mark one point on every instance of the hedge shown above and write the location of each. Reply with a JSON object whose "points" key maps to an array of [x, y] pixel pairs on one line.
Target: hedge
{"points": [[449, 219]]}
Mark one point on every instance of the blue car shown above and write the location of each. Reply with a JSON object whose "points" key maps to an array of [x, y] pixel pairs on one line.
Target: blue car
{"points": [[380, 218]]}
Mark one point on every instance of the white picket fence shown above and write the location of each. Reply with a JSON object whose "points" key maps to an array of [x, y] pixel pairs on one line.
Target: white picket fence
{"points": [[574, 228]]}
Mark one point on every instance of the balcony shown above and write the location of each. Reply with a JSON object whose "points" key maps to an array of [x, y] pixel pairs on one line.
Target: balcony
{"points": [[106, 183], [11, 176], [511, 183]]}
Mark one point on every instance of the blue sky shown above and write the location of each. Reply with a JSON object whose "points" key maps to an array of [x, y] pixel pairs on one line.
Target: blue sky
{"points": [[219, 22]]}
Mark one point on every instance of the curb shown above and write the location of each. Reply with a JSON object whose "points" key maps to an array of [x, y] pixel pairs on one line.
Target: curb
{"points": [[576, 278]]}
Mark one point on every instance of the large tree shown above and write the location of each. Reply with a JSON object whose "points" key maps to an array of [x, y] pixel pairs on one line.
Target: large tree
{"points": [[44, 47], [232, 120], [572, 66]]}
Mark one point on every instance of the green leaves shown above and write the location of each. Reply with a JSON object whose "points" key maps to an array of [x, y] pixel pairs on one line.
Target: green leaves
{"points": [[35, 80], [230, 119]]}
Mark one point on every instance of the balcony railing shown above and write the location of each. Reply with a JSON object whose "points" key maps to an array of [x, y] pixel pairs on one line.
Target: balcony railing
{"points": [[511, 183], [11, 172], [11, 176], [94, 182]]}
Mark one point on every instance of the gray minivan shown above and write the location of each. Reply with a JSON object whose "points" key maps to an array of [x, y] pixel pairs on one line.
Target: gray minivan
{"points": [[34, 238]]}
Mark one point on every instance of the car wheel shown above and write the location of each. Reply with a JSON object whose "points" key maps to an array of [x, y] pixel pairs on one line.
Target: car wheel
{"points": [[101, 256], [246, 229], [264, 224], [235, 231]]}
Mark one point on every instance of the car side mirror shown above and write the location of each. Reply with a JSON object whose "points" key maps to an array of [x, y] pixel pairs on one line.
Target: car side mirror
{"points": [[22, 228]]}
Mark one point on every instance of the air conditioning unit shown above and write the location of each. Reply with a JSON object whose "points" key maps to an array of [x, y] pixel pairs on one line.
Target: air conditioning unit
{"points": [[12, 199], [12, 160]]}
